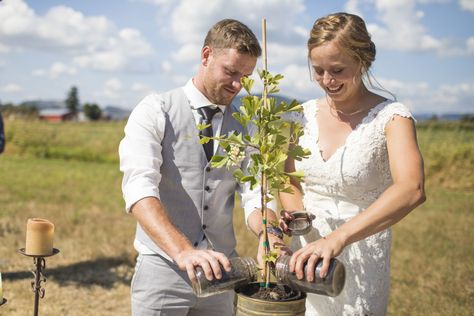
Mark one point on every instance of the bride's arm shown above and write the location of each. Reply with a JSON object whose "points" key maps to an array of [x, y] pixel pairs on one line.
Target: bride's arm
{"points": [[406, 193], [291, 201]]}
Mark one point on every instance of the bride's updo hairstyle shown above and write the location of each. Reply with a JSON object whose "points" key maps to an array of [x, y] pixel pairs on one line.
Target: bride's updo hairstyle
{"points": [[350, 35]]}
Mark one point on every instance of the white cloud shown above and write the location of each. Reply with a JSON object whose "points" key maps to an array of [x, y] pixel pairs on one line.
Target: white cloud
{"points": [[301, 31], [92, 41], [188, 52], [139, 91], [467, 5], [11, 88], [4, 48], [402, 27], [283, 25], [352, 6], [284, 15], [169, 72], [420, 97], [433, 1], [141, 87], [57, 69], [106, 61], [166, 66], [409, 35], [470, 45], [113, 84], [112, 89], [39, 72], [283, 54], [297, 83], [158, 2]]}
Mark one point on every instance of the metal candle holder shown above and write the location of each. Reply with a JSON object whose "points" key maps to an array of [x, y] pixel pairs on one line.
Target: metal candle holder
{"points": [[40, 265]]}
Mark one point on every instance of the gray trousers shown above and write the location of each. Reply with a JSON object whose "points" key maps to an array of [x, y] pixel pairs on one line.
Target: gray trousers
{"points": [[160, 288]]}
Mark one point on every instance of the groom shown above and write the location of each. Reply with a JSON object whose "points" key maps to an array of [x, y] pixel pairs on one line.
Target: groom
{"points": [[182, 205]]}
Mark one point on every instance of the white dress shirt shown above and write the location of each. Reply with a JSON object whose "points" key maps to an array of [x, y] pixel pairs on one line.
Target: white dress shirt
{"points": [[141, 158]]}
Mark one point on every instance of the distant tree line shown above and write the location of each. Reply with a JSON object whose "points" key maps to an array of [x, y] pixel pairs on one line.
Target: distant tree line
{"points": [[28, 109], [24, 109], [91, 110]]}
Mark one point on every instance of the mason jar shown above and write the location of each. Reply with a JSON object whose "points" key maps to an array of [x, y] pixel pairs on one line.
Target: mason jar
{"points": [[243, 271], [331, 285]]}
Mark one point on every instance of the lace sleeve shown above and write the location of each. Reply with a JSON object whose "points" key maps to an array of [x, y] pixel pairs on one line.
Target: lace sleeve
{"points": [[393, 109]]}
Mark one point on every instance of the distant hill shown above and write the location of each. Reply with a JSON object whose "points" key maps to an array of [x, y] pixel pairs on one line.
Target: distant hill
{"points": [[44, 104], [111, 111], [238, 100], [115, 113], [441, 117]]}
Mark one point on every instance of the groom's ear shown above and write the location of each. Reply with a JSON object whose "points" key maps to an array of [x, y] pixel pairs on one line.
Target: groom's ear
{"points": [[206, 54]]}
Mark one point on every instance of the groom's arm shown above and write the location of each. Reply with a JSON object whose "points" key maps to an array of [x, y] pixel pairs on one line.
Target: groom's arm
{"points": [[153, 218], [140, 161]]}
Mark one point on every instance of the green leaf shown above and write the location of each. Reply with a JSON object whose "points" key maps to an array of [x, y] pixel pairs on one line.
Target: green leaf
{"points": [[204, 140], [248, 178], [200, 126], [297, 174], [238, 175], [278, 77], [219, 161], [247, 83]]}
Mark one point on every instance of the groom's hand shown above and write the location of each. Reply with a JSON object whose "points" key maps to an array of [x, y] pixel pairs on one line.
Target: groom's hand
{"points": [[210, 261]]}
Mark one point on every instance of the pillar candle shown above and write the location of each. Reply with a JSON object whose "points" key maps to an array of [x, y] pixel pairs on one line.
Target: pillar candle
{"points": [[39, 237]]}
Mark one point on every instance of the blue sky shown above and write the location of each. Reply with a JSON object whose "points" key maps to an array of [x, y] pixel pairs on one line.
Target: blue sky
{"points": [[116, 52]]}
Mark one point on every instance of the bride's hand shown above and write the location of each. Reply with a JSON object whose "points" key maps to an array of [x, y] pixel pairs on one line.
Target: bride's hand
{"points": [[285, 218], [321, 249]]}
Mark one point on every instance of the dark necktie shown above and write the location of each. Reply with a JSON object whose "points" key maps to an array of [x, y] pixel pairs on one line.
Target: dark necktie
{"points": [[207, 114]]}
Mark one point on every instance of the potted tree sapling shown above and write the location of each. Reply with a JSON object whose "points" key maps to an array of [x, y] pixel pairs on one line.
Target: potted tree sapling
{"points": [[274, 140], [269, 147]]}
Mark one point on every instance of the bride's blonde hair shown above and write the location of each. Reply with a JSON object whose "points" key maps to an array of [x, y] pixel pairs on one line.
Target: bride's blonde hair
{"points": [[350, 34]]}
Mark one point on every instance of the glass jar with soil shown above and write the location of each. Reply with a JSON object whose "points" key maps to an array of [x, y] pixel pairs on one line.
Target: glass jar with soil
{"points": [[331, 285], [243, 271]]}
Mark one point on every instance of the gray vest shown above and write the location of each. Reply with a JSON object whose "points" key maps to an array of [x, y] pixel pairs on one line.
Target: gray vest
{"points": [[198, 199]]}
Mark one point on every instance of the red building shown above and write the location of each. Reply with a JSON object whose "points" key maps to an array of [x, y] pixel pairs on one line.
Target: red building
{"points": [[56, 115]]}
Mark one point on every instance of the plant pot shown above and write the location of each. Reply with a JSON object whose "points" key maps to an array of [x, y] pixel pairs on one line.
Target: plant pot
{"points": [[245, 305]]}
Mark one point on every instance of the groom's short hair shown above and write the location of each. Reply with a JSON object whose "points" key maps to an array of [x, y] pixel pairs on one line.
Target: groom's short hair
{"points": [[229, 33]]}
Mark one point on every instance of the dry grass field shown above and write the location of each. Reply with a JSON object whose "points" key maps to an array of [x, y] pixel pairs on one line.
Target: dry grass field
{"points": [[68, 173]]}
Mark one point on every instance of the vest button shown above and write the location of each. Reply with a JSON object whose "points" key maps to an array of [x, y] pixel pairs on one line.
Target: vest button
{"points": [[208, 169], [204, 226], [207, 188], [206, 207]]}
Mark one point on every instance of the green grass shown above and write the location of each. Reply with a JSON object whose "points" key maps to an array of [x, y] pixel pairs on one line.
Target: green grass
{"points": [[97, 141], [448, 151], [69, 174], [432, 255]]}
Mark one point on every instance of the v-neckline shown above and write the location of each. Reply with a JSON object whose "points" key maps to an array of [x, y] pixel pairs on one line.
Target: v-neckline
{"points": [[344, 144]]}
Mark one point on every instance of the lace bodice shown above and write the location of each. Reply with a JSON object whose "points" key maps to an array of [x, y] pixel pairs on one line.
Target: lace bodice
{"points": [[338, 189], [358, 172]]}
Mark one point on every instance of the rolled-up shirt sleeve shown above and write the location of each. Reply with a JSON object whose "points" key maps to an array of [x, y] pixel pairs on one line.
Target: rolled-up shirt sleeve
{"points": [[140, 151]]}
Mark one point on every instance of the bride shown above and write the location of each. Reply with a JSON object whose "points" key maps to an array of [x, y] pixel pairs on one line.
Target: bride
{"points": [[364, 175]]}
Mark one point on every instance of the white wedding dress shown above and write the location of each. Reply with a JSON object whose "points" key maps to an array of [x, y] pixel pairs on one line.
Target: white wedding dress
{"points": [[338, 189]]}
